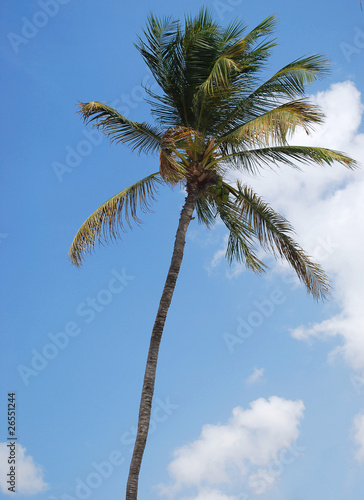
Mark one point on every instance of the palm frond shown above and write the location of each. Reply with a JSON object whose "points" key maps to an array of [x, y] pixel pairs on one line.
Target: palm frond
{"points": [[254, 55], [166, 109], [199, 23], [171, 170], [288, 83], [265, 28], [140, 136], [274, 234], [252, 160], [275, 125], [240, 246], [234, 31], [107, 221], [206, 210], [232, 63], [233, 55], [220, 74], [160, 37], [292, 79]]}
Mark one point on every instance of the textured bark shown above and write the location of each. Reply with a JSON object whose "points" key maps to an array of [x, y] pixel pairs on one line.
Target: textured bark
{"points": [[150, 371]]}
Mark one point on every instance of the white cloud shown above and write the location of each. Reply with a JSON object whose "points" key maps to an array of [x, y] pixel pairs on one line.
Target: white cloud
{"points": [[359, 435], [236, 452], [209, 494], [326, 208], [29, 475], [219, 254], [255, 377]]}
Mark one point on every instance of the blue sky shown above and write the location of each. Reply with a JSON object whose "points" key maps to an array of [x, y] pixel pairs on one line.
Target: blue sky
{"points": [[74, 342]]}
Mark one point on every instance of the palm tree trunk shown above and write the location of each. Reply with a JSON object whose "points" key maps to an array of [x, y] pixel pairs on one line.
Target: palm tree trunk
{"points": [[150, 370]]}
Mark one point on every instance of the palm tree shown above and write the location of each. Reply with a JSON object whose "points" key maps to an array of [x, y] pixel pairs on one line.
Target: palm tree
{"points": [[213, 114]]}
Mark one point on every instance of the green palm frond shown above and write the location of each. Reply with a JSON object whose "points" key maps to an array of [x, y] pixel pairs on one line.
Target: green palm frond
{"points": [[200, 22], [274, 234], [240, 245], [234, 55], [201, 59], [164, 110], [292, 79], [256, 54], [107, 221], [274, 126], [232, 66], [219, 77], [265, 28], [140, 136], [237, 56], [288, 83], [180, 61], [206, 210], [160, 37], [234, 31], [253, 160]]}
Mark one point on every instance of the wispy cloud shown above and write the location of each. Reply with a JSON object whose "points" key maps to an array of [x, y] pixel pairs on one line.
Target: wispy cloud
{"points": [[255, 377], [359, 435]]}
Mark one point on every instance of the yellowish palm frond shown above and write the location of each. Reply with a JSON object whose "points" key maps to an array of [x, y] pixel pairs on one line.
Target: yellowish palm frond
{"points": [[253, 160], [107, 221], [274, 126]]}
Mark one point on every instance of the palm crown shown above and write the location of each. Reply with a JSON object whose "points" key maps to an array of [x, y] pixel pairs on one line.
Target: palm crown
{"points": [[213, 114]]}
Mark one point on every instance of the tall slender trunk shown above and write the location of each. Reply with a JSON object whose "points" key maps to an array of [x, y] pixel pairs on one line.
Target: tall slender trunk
{"points": [[150, 370]]}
